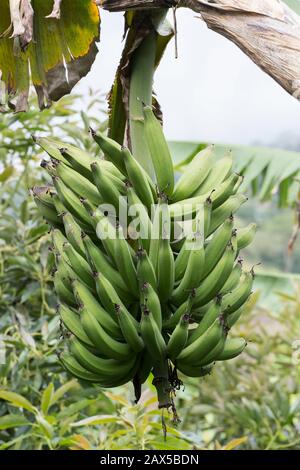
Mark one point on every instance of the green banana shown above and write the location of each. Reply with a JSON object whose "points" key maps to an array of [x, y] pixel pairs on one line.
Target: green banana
{"points": [[145, 270], [192, 275], [107, 293], [194, 174], [48, 213], [106, 231], [111, 149], [124, 262], [150, 299], [71, 320], [191, 241], [79, 265], [74, 368], [217, 245], [86, 298], [66, 273], [64, 294], [222, 213], [58, 240], [235, 299], [105, 368], [234, 278], [44, 202], [139, 179], [156, 232], [50, 146], [166, 270], [186, 208], [81, 161], [215, 352], [178, 338], [233, 348], [152, 337], [128, 326], [213, 283], [102, 341], [216, 176], [233, 318], [44, 194], [159, 152], [245, 236], [184, 308], [225, 190], [73, 233], [208, 319], [78, 183], [137, 210], [101, 264], [195, 371], [109, 191], [195, 352], [59, 206], [72, 202], [77, 159]]}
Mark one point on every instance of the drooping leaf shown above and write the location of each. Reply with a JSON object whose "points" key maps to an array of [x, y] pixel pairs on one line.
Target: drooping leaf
{"points": [[267, 171], [16, 400], [235, 443], [55, 42], [47, 397], [95, 420], [12, 421]]}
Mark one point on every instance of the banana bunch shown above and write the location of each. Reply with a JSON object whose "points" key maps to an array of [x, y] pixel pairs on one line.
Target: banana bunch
{"points": [[141, 298]]}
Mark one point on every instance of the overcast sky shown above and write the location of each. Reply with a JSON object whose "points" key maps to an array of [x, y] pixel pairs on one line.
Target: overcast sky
{"points": [[211, 92]]}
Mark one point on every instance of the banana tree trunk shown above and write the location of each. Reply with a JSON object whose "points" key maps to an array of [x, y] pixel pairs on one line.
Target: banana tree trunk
{"points": [[268, 31]]}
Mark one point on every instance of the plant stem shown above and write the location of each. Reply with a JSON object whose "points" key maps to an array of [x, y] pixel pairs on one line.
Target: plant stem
{"points": [[141, 81], [162, 385]]}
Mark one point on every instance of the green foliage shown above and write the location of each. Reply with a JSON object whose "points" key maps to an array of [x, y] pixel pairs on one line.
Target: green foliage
{"points": [[258, 394]]}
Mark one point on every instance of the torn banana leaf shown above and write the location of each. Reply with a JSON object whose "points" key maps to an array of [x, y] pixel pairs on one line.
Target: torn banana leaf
{"points": [[51, 43]]}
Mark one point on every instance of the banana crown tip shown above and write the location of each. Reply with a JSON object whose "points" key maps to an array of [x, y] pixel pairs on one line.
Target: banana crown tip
{"points": [[92, 131], [117, 308]]}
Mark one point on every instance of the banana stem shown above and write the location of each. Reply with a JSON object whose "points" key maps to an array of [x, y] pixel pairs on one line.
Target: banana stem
{"points": [[162, 385], [140, 92]]}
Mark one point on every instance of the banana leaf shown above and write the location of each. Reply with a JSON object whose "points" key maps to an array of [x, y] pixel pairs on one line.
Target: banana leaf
{"points": [[267, 171], [274, 287], [51, 42], [294, 4]]}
